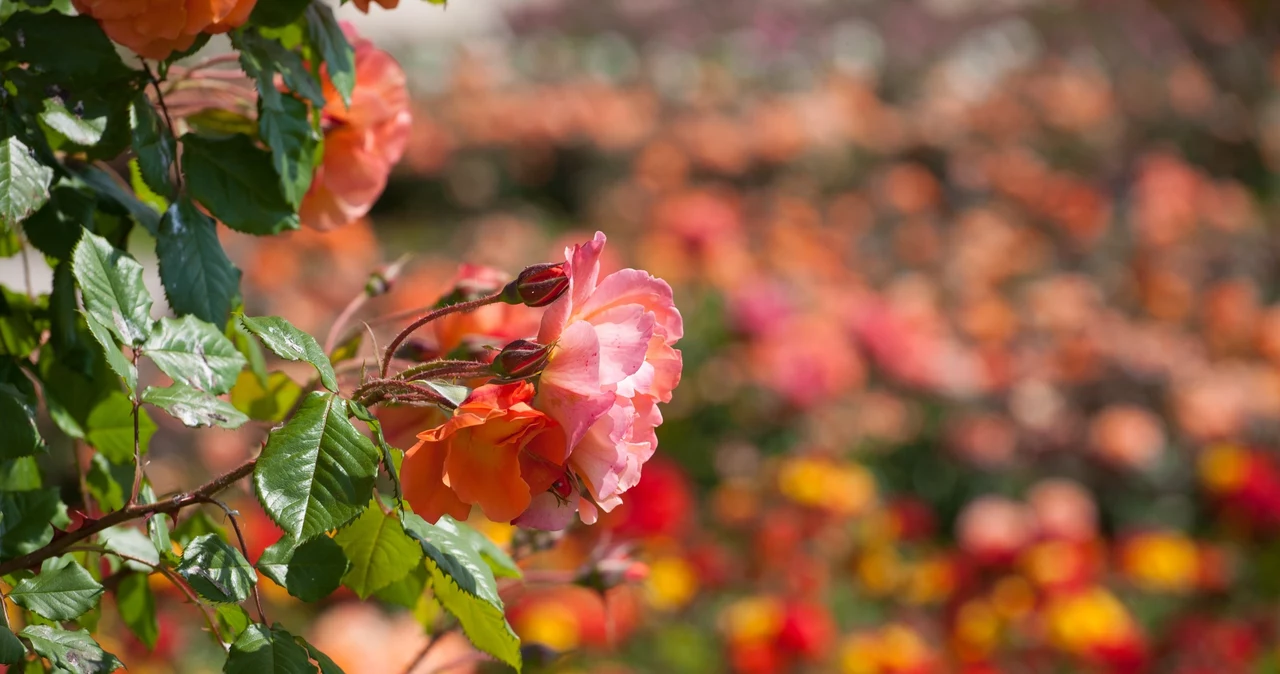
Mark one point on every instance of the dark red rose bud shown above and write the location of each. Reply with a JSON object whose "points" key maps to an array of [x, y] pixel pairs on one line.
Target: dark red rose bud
{"points": [[520, 359], [537, 286]]}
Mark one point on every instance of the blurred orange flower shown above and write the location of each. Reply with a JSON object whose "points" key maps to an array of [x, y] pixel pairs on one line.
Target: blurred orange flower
{"points": [[156, 28]]}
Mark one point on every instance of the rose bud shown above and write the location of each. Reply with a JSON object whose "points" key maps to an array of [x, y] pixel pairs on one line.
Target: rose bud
{"points": [[537, 286], [520, 359]]}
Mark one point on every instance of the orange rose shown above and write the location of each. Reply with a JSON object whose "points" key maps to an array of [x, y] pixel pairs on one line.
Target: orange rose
{"points": [[156, 28], [495, 452], [363, 5], [362, 141]]}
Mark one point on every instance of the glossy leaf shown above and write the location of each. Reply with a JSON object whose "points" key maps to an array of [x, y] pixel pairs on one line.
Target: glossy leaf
{"points": [[326, 36], [19, 436], [111, 350], [235, 180], [198, 277], [111, 285], [233, 620], [310, 572], [195, 353], [137, 606], [70, 652], [290, 343], [80, 129], [465, 586], [316, 473], [259, 650], [24, 182], [154, 145], [216, 570], [63, 590], [498, 560], [194, 408], [133, 545], [380, 551], [286, 128]]}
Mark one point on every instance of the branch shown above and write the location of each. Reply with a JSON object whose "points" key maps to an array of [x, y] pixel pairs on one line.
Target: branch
{"points": [[168, 506], [404, 334]]}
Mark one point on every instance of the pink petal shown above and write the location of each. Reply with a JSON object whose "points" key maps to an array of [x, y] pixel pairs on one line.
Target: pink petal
{"points": [[547, 513], [624, 334], [569, 391], [632, 286], [582, 263]]}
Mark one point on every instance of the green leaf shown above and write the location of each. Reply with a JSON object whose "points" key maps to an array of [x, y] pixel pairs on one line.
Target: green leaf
{"points": [[324, 33], [81, 130], [265, 404], [498, 560], [198, 278], [220, 122], [465, 586], [316, 473], [235, 180], [22, 323], [27, 519], [137, 607], [70, 652], [109, 483], [194, 408], [290, 343], [259, 650], [195, 526], [55, 228], [216, 570], [102, 183], [24, 182], [110, 428], [11, 650], [279, 13], [375, 426], [380, 551], [248, 347], [327, 665], [19, 475], [407, 591], [70, 49], [454, 393], [158, 532], [286, 128], [195, 353], [111, 283], [63, 590], [262, 57], [144, 193], [233, 620], [132, 544], [154, 145], [111, 350], [310, 572], [18, 434], [348, 349]]}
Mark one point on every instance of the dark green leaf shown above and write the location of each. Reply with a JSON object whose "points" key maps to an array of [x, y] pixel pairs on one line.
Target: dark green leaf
{"points": [[248, 347], [70, 652], [262, 57], [27, 519], [310, 572], [24, 182], [11, 650], [73, 50], [133, 546], [111, 350], [381, 553], [110, 428], [109, 483], [325, 34], [388, 462], [154, 145], [102, 183], [279, 13], [286, 129], [137, 607], [198, 278], [498, 560], [316, 473], [265, 404], [55, 228], [194, 408], [18, 434], [111, 284], [195, 353], [63, 590], [235, 180], [290, 343], [465, 586], [81, 129], [216, 570], [259, 650]]}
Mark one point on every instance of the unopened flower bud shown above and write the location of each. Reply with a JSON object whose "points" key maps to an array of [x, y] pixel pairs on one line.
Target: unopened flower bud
{"points": [[537, 286], [521, 359]]}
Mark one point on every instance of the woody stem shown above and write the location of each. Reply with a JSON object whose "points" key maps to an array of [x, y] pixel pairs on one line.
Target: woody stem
{"points": [[444, 369], [443, 311]]}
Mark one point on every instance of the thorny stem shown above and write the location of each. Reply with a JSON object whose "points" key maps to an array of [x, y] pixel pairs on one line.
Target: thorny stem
{"points": [[443, 311], [130, 512], [380, 389], [137, 441], [235, 526], [443, 369]]}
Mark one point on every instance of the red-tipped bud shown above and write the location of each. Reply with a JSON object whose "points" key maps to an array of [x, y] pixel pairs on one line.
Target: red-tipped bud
{"points": [[537, 286], [520, 359]]}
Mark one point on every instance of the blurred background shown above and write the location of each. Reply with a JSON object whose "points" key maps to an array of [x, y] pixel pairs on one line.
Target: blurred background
{"points": [[982, 330]]}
